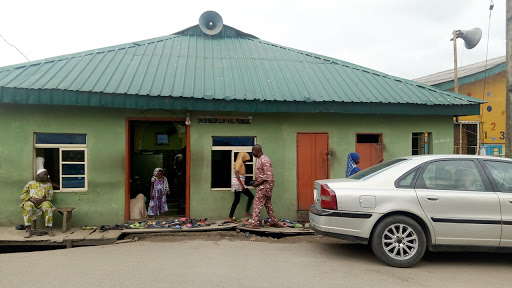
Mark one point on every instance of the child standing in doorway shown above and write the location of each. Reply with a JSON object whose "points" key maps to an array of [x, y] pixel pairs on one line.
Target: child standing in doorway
{"points": [[159, 190]]}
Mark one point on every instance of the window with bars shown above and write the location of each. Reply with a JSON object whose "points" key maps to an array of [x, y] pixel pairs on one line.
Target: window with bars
{"points": [[466, 137], [421, 143], [224, 153], [65, 158]]}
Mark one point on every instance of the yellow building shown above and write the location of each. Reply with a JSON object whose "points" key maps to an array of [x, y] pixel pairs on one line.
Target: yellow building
{"points": [[484, 80]]}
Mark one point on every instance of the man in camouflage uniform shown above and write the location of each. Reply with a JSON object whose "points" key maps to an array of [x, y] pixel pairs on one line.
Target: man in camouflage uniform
{"points": [[265, 183]]}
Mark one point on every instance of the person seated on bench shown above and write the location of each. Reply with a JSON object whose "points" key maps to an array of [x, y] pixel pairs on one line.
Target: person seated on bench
{"points": [[36, 198]]}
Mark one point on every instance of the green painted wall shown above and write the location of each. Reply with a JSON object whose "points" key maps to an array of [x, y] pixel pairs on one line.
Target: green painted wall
{"points": [[145, 137], [277, 135], [105, 128], [103, 203]]}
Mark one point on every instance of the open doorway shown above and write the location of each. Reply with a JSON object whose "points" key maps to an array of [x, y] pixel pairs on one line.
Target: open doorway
{"points": [[161, 144], [369, 148]]}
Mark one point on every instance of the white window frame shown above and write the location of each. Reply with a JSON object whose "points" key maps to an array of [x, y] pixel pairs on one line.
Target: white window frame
{"points": [[66, 147], [235, 149], [478, 140]]}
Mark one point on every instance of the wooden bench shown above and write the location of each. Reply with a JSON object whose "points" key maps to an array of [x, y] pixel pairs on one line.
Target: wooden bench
{"points": [[67, 214]]}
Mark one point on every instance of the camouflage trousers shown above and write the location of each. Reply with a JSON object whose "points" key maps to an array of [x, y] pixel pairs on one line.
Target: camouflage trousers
{"points": [[261, 200]]}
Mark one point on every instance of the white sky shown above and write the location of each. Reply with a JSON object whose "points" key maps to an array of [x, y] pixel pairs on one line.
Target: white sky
{"points": [[405, 38]]}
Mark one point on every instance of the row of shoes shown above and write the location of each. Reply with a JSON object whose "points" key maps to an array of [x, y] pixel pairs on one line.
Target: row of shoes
{"points": [[175, 224], [294, 224], [111, 227], [195, 223]]}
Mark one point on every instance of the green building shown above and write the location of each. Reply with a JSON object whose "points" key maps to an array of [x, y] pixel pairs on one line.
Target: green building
{"points": [[188, 102]]}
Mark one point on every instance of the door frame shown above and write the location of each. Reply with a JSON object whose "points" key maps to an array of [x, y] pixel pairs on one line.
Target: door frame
{"points": [[127, 163], [297, 162]]}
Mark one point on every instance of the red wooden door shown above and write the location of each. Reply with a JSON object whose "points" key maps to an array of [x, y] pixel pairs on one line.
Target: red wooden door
{"points": [[370, 154], [312, 164]]}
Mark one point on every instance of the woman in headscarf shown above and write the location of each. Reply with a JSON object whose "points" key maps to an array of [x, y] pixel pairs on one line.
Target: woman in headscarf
{"points": [[352, 161], [238, 185], [159, 188]]}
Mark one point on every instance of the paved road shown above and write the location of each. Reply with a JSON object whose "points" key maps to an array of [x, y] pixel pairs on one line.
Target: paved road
{"points": [[235, 261]]}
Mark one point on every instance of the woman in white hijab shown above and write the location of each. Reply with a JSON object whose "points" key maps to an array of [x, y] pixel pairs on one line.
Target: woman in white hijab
{"points": [[159, 190]]}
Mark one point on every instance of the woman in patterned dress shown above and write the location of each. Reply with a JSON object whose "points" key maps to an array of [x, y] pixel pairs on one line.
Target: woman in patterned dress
{"points": [[159, 188]]}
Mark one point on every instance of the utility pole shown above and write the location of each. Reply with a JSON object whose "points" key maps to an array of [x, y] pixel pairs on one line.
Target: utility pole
{"points": [[508, 102], [455, 77]]}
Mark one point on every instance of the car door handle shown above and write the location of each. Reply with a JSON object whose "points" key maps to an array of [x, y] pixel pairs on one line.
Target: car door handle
{"points": [[510, 201], [432, 198]]}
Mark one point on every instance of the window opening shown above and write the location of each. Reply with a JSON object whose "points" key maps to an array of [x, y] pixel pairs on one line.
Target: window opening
{"points": [[466, 138], [502, 174], [374, 170], [224, 153], [65, 158], [421, 143], [368, 138], [406, 180], [453, 175], [162, 139]]}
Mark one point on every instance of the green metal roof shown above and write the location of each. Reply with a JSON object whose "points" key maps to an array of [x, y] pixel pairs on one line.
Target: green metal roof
{"points": [[189, 69]]}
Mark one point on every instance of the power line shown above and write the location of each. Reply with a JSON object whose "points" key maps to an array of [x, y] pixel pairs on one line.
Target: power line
{"points": [[15, 47]]}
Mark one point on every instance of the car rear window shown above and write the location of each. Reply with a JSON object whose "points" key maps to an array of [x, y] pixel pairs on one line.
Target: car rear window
{"points": [[374, 170]]}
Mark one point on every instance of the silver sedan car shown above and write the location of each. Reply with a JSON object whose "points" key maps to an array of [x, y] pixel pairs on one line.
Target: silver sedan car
{"points": [[407, 205]]}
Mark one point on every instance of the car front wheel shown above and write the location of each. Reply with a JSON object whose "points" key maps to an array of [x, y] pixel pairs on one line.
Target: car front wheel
{"points": [[399, 241]]}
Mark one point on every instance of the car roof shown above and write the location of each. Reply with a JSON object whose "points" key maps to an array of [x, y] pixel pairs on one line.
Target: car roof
{"points": [[453, 156]]}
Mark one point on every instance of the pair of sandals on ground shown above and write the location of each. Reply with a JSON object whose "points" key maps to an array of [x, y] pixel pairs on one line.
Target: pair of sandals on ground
{"points": [[35, 232], [255, 226], [248, 224]]}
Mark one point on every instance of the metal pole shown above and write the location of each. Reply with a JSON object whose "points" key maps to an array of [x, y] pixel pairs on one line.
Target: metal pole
{"points": [[460, 138], [508, 102], [455, 81], [478, 138]]}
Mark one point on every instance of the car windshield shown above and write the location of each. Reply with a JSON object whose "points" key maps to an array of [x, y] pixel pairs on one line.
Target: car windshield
{"points": [[374, 170]]}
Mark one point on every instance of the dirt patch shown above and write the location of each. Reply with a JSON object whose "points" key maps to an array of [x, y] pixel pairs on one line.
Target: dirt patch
{"points": [[231, 236]]}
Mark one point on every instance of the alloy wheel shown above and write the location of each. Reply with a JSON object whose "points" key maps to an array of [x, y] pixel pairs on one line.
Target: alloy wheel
{"points": [[399, 241]]}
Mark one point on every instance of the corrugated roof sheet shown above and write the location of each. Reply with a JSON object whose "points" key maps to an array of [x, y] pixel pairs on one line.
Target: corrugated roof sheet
{"points": [[229, 66], [446, 76]]}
